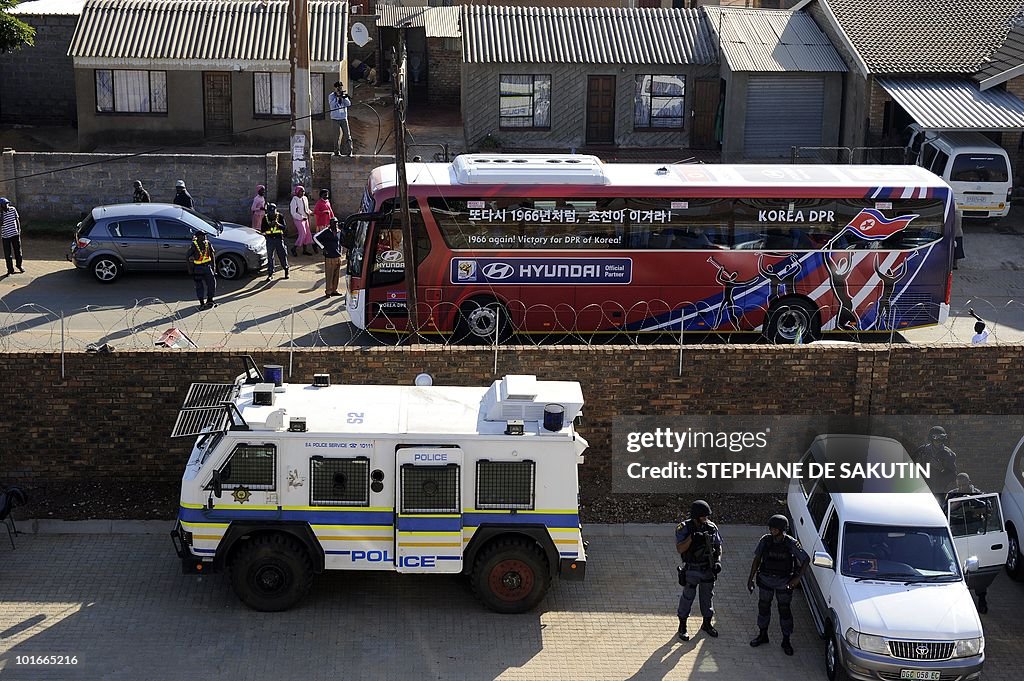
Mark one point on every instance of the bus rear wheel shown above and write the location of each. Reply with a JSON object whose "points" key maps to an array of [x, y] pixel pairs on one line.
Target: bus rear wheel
{"points": [[791, 321], [511, 576], [481, 321]]}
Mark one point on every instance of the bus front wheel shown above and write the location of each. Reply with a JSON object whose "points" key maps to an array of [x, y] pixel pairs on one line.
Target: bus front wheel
{"points": [[792, 321], [483, 321]]}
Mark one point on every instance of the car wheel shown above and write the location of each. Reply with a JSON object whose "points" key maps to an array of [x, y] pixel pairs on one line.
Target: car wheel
{"points": [[271, 573], [833, 665], [230, 267], [511, 576], [106, 269], [1014, 561]]}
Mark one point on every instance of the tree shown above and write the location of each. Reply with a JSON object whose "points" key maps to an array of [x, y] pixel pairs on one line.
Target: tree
{"points": [[13, 31]]}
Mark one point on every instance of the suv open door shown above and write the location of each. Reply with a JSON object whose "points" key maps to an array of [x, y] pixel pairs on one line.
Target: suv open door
{"points": [[976, 522]]}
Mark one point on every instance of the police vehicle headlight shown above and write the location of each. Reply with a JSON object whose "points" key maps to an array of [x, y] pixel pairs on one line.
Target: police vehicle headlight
{"points": [[867, 642], [969, 647]]}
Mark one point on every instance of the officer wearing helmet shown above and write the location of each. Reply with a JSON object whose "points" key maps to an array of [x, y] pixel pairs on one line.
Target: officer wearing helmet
{"points": [[941, 458], [700, 546], [779, 562], [140, 195], [181, 195]]}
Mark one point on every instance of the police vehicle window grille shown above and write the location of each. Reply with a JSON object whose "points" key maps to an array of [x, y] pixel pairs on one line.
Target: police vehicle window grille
{"points": [[505, 484], [430, 489], [209, 395], [339, 482], [251, 466]]}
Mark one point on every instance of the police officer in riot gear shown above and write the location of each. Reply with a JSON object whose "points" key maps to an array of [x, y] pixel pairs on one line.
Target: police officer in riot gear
{"points": [[942, 459], [700, 547], [779, 561]]}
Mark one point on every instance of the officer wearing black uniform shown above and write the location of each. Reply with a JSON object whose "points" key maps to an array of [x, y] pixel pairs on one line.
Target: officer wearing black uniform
{"points": [[779, 561], [200, 265], [273, 230], [975, 516], [700, 546], [942, 459]]}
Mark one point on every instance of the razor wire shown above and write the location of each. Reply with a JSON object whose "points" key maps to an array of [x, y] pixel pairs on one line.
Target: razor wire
{"points": [[151, 323]]}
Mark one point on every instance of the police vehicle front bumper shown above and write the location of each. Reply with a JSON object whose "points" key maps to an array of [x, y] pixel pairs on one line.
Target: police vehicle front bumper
{"points": [[864, 666], [190, 563]]}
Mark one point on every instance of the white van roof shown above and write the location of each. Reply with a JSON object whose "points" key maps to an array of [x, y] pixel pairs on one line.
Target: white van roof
{"points": [[967, 142]]}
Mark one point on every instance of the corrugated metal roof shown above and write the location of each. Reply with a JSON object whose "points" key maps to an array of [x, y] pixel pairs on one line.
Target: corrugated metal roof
{"points": [[955, 104], [204, 30], [771, 40], [48, 7], [439, 22], [586, 35], [923, 36]]}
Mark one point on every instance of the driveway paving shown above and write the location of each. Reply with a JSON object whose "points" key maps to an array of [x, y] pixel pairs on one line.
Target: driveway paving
{"points": [[119, 604]]}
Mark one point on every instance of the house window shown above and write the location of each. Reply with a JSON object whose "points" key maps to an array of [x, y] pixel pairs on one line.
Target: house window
{"points": [[272, 94], [659, 102], [131, 91], [525, 102]]}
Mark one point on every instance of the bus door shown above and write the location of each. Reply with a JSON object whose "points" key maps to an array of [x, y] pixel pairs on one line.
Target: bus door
{"points": [[428, 511]]}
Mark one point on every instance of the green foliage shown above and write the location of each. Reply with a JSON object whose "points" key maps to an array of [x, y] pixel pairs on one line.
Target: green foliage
{"points": [[14, 33]]}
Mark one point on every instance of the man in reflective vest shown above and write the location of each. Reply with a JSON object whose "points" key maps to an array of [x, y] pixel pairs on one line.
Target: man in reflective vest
{"points": [[200, 266], [779, 561], [700, 546], [273, 230]]}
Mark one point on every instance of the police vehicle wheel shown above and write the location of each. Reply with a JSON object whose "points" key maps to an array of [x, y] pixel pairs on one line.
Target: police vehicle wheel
{"points": [[229, 267], [106, 269], [1014, 560], [271, 573], [478, 320], [511, 576], [790, 320], [833, 667]]}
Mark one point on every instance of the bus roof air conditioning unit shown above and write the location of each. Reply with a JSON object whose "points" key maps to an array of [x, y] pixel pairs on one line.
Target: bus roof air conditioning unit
{"points": [[529, 169]]}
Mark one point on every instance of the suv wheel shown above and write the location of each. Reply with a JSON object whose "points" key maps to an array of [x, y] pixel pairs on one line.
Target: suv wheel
{"points": [[106, 269], [1014, 560], [833, 666]]}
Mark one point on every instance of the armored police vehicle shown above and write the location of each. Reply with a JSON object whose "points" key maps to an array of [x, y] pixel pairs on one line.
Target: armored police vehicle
{"points": [[286, 481]]}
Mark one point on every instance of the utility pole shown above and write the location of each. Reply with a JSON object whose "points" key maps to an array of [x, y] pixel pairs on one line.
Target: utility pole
{"points": [[302, 122], [399, 70]]}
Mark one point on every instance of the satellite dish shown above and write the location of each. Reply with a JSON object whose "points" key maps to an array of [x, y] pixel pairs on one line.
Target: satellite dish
{"points": [[360, 36]]}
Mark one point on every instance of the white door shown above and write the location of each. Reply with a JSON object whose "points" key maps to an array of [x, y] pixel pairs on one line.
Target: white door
{"points": [[428, 510], [976, 522]]}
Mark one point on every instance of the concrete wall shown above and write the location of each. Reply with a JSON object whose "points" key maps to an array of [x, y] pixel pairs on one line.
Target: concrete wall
{"points": [[569, 104], [109, 419], [184, 122], [222, 185], [38, 86]]}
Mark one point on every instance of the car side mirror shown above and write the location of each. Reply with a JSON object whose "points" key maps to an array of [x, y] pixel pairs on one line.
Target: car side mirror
{"points": [[823, 560], [217, 487], [971, 564]]}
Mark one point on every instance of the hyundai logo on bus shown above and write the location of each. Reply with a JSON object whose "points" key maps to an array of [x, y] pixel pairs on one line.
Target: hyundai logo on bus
{"points": [[525, 271]]}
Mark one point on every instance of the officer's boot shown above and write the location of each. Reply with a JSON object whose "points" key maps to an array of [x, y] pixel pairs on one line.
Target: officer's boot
{"points": [[683, 636], [787, 647], [709, 627], [760, 639]]}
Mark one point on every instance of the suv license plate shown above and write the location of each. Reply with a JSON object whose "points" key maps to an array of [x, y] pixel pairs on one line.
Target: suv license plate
{"points": [[919, 675]]}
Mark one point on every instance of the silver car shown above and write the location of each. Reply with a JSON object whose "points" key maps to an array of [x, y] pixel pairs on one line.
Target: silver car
{"points": [[156, 237]]}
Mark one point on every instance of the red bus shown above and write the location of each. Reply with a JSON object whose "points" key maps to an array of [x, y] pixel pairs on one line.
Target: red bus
{"points": [[509, 244]]}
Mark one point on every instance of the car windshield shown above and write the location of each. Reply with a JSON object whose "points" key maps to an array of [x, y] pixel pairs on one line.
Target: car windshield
{"points": [[200, 221], [899, 553]]}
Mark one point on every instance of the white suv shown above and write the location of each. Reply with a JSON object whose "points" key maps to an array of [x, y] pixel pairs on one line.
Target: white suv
{"points": [[1013, 508], [886, 589]]}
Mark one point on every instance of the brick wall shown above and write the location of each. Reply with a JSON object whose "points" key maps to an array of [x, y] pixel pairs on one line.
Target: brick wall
{"points": [[38, 81], [111, 417], [222, 186], [443, 67]]}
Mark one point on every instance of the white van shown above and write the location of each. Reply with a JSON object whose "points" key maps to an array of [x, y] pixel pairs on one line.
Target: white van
{"points": [[975, 167]]}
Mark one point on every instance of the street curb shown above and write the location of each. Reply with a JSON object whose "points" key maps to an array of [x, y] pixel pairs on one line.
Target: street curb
{"points": [[49, 526]]}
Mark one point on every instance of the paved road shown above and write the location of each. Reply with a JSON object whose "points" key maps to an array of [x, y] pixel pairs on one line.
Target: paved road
{"points": [[121, 606], [135, 311]]}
